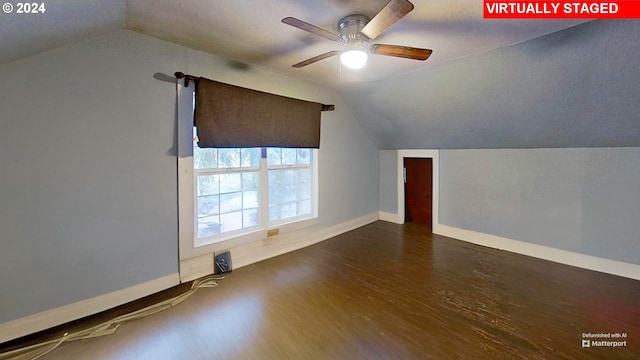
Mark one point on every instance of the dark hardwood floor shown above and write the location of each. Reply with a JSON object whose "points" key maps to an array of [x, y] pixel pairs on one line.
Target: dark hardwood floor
{"points": [[388, 291]]}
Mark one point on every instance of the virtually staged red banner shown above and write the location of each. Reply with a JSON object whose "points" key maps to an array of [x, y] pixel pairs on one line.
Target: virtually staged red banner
{"points": [[624, 9]]}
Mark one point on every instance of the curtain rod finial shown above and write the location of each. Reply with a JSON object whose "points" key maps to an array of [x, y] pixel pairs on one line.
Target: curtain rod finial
{"points": [[181, 75]]}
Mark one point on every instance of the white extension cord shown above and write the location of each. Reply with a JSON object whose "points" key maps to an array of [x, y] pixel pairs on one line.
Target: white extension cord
{"points": [[37, 351]]}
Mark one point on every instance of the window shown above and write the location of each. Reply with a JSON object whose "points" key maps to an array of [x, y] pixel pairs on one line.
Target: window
{"points": [[289, 183], [242, 190]]}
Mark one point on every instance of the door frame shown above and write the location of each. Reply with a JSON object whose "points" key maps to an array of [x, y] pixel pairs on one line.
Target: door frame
{"points": [[433, 154]]}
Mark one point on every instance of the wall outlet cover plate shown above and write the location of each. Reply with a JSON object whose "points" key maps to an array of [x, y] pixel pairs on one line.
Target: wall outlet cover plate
{"points": [[223, 263]]}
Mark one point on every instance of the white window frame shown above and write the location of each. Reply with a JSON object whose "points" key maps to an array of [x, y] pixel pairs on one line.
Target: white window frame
{"points": [[189, 244]]}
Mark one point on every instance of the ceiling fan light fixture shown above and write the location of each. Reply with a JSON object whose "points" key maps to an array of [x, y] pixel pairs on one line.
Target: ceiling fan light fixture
{"points": [[354, 59]]}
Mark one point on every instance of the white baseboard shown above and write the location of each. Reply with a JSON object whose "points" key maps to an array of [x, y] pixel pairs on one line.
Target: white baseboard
{"points": [[50, 318], [271, 247], [613, 267], [385, 216], [196, 267], [263, 249]]}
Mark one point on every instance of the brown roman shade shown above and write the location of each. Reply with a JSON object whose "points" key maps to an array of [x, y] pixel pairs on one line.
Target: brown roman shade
{"points": [[232, 116]]}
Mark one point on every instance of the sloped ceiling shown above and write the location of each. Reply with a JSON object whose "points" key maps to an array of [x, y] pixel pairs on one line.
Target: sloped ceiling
{"points": [[579, 87], [251, 32], [63, 22], [576, 87]]}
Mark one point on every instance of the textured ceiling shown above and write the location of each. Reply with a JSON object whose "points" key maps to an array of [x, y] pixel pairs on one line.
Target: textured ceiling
{"points": [[63, 22], [250, 31], [547, 92]]}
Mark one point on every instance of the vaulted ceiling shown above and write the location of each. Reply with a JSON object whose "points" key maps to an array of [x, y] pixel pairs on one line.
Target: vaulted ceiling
{"points": [[488, 83], [251, 32]]}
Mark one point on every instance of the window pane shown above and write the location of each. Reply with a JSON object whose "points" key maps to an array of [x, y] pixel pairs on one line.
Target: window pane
{"points": [[275, 184], [275, 194], [281, 212], [250, 218], [289, 193], [250, 181], [305, 184], [283, 186], [288, 210], [204, 158], [274, 156], [250, 157], [305, 175], [274, 178], [289, 156], [228, 158], [250, 199], [207, 185], [208, 226], [291, 177], [230, 182], [274, 213], [304, 191], [304, 207], [208, 205], [227, 202], [304, 156], [231, 221], [230, 202]]}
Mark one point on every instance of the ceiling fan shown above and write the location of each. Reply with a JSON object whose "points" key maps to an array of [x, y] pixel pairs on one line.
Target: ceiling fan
{"points": [[357, 30]]}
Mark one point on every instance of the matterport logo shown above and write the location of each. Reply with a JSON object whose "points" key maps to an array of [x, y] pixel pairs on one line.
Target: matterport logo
{"points": [[614, 340]]}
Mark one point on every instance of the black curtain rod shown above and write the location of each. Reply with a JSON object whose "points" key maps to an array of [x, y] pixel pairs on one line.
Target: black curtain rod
{"points": [[187, 78]]}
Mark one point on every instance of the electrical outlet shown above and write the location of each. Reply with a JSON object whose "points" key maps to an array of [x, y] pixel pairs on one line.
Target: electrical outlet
{"points": [[223, 263], [273, 232]]}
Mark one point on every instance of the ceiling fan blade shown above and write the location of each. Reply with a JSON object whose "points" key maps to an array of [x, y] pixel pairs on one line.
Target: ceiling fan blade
{"points": [[316, 58], [310, 28], [390, 13], [400, 51]]}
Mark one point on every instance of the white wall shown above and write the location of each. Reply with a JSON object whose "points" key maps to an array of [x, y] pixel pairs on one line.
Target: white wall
{"points": [[88, 182]]}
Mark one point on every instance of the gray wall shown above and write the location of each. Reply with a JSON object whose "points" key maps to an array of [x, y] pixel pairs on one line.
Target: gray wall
{"points": [[88, 182], [389, 181], [581, 200], [575, 88]]}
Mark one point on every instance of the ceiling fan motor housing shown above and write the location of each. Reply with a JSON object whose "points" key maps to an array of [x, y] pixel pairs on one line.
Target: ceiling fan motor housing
{"points": [[350, 27]]}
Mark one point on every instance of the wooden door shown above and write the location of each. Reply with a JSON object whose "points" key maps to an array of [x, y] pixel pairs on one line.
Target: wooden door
{"points": [[418, 189]]}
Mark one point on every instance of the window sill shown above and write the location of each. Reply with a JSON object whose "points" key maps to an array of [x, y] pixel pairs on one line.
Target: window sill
{"points": [[249, 236], [294, 225], [256, 235]]}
